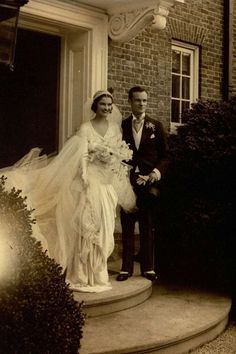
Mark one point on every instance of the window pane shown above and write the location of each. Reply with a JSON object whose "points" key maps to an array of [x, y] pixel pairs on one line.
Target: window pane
{"points": [[175, 112], [185, 88], [186, 64], [185, 106], [175, 86], [175, 61]]}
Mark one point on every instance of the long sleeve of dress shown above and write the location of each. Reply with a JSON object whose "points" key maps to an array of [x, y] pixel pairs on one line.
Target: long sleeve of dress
{"points": [[83, 136]]}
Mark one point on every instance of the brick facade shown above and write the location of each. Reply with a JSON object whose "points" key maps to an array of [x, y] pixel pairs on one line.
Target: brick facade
{"points": [[146, 60], [234, 52]]}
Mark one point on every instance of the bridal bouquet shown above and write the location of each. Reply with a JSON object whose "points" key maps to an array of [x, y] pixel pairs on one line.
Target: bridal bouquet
{"points": [[109, 153], [110, 156]]}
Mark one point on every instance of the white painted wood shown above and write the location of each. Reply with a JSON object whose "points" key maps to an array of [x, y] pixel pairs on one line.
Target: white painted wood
{"points": [[84, 56]]}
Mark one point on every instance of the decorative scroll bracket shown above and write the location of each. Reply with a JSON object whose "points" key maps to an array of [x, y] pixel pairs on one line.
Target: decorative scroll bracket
{"points": [[123, 27]]}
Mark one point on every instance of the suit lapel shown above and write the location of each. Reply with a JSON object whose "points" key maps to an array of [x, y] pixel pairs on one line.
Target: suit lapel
{"points": [[144, 133], [130, 133]]}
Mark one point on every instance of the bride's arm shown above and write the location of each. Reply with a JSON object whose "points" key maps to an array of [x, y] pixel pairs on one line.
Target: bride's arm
{"points": [[83, 135]]}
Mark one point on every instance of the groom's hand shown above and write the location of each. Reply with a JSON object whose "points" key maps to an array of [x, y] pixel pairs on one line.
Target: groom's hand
{"points": [[142, 180], [153, 177]]}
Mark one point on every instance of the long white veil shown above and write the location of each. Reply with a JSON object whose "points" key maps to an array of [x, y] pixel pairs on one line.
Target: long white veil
{"points": [[115, 116], [53, 188]]}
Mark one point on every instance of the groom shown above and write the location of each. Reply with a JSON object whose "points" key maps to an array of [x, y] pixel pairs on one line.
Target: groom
{"points": [[147, 139]]}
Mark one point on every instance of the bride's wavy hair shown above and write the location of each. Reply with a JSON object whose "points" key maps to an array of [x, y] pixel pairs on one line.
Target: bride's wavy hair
{"points": [[97, 97]]}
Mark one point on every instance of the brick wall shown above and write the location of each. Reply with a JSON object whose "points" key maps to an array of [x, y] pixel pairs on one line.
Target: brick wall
{"points": [[146, 60], [234, 52], [202, 22]]}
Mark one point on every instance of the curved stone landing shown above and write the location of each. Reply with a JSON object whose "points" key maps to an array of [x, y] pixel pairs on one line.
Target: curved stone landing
{"points": [[123, 295], [172, 321]]}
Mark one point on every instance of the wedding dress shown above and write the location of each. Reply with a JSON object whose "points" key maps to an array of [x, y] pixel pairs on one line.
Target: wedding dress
{"points": [[74, 198]]}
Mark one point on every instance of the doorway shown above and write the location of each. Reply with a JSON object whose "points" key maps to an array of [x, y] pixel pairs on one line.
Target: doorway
{"points": [[29, 97], [80, 69]]}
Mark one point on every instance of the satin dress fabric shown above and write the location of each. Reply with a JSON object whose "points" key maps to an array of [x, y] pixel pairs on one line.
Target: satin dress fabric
{"points": [[75, 202]]}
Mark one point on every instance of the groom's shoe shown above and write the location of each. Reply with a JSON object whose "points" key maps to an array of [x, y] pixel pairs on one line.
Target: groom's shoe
{"points": [[123, 276], [150, 276]]}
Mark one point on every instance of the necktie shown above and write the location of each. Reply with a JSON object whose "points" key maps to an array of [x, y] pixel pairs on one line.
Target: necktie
{"points": [[137, 124]]}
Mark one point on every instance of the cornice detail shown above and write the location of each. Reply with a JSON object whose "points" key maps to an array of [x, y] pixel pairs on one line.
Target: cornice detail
{"points": [[124, 26]]}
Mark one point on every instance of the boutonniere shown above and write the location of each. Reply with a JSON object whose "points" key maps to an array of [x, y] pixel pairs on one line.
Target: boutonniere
{"points": [[150, 125], [152, 136]]}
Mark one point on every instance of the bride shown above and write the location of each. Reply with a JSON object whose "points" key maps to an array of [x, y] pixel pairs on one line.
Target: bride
{"points": [[75, 196]]}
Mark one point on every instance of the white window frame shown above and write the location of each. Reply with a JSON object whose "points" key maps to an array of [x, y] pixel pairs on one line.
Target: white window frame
{"points": [[194, 75]]}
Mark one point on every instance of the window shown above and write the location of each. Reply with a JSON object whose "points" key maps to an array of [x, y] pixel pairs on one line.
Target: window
{"points": [[185, 72]]}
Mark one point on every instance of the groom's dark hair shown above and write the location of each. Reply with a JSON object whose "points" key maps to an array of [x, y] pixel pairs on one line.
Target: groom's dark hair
{"points": [[135, 89]]}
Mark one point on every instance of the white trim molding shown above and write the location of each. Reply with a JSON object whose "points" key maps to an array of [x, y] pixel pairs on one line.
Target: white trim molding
{"points": [[84, 55], [192, 51]]}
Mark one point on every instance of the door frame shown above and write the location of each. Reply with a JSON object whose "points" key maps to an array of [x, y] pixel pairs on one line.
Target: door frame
{"points": [[89, 59]]}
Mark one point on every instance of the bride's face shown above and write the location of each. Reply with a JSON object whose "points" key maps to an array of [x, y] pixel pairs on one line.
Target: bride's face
{"points": [[104, 106]]}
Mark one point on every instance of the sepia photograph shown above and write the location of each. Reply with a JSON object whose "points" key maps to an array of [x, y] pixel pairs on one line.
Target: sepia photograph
{"points": [[117, 176]]}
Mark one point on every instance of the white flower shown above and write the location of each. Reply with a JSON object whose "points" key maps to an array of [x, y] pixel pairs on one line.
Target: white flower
{"points": [[150, 125], [110, 152]]}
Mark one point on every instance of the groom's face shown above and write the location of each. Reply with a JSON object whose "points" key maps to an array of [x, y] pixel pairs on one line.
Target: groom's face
{"points": [[138, 103]]}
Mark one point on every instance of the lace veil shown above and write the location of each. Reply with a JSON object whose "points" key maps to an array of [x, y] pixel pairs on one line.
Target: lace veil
{"points": [[52, 189]]}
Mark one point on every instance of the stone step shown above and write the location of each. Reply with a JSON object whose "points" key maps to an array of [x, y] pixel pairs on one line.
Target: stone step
{"points": [[173, 320], [123, 295]]}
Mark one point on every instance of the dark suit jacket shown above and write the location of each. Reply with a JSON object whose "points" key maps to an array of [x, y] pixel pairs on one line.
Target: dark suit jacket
{"points": [[152, 152]]}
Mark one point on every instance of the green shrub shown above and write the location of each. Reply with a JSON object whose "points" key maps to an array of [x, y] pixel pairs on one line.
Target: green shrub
{"points": [[37, 311], [199, 193]]}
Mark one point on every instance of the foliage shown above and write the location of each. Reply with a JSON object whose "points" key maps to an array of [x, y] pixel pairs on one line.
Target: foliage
{"points": [[199, 190], [37, 311]]}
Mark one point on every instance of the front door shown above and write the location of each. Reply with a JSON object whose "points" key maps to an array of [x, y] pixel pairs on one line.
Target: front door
{"points": [[29, 97]]}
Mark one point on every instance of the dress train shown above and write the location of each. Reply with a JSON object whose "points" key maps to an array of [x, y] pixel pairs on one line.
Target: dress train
{"points": [[74, 204]]}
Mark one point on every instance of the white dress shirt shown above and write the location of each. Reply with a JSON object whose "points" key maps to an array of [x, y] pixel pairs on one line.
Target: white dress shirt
{"points": [[137, 135], [137, 139]]}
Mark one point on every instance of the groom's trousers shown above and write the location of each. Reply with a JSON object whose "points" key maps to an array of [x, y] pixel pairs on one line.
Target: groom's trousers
{"points": [[147, 204]]}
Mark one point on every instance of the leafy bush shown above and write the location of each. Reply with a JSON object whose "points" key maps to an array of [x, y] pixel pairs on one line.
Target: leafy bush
{"points": [[199, 193], [37, 311]]}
